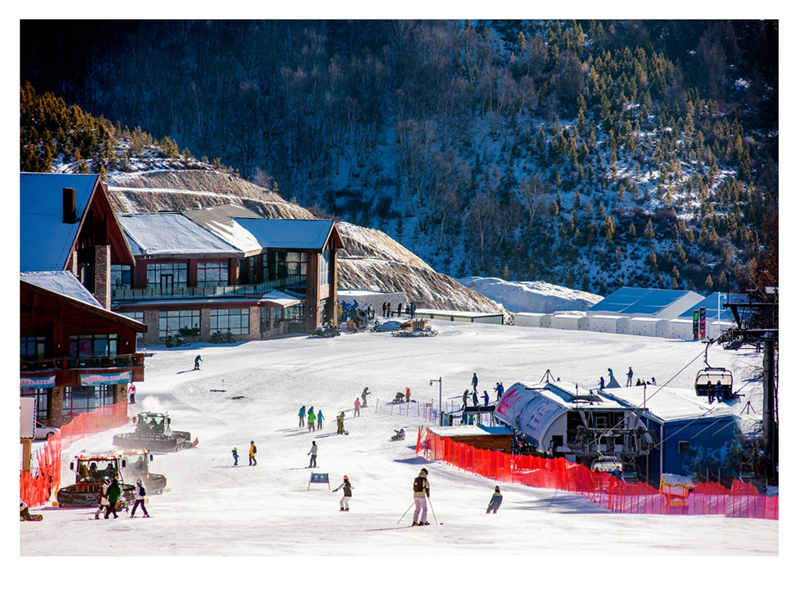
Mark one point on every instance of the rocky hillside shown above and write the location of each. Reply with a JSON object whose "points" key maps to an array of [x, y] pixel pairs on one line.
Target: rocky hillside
{"points": [[371, 260]]}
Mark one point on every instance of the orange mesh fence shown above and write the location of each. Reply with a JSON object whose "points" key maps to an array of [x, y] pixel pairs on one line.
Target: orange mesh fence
{"points": [[37, 486], [742, 501]]}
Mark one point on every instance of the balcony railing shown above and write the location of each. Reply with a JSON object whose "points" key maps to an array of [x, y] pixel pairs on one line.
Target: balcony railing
{"points": [[81, 362], [225, 291]]}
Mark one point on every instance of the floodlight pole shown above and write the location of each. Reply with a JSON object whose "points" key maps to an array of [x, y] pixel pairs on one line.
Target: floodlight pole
{"points": [[440, 399]]}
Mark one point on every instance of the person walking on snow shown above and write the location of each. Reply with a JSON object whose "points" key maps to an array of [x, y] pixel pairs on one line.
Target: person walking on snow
{"points": [[312, 419], [252, 454], [475, 382], [320, 417], [485, 398], [132, 390], [474, 398], [113, 493], [364, 395], [500, 390], [103, 499], [197, 361], [235, 453], [313, 453], [496, 501], [422, 491], [140, 494], [357, 408], [630, 377], [302, 415], [344, 503]]}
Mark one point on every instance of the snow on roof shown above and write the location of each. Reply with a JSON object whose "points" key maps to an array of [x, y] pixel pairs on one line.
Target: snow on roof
{"points": [[220, 220], [171, 233], [470, 431], [288, 234], [280, 298], [673, 404], [45, 240], [60, 282], [454, 313]]}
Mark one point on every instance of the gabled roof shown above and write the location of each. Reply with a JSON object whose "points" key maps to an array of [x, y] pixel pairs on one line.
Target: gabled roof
{"points": [[628, 301], [60, 282], [172, 234], [219, 220], [289, 234], [712, 302], [64, 286], [45, 240]]}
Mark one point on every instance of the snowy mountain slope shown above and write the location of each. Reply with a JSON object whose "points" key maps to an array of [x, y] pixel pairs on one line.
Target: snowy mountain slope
{"points": [[370, 260], [531, 296]]}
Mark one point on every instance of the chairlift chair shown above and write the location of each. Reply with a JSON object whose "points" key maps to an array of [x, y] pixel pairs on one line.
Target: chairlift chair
{"points": [[714, 382]]}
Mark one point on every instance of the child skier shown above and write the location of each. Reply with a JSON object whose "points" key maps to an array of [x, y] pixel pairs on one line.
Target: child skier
{"points": [[344, 503], [312, 419], [197, 361], [235, 453], [496, 501]]}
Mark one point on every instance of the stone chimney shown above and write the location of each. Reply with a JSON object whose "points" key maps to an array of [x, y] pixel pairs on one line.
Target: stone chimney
{"points": [[68, 200], [102, 275]]}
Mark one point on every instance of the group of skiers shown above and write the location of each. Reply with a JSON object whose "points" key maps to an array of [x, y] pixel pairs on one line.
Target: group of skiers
{"points": [[314, 419], [110, 494]]}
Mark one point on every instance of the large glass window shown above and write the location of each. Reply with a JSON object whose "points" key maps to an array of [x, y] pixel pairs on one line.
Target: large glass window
{"points": [[280, 265], [295, 313], [81, 399], [93, 345], [42, 397], [172, 322], [325, 267], [121, 277], [32, 347], [212, 274], [167, 278], [136, 316], [235, 319]]}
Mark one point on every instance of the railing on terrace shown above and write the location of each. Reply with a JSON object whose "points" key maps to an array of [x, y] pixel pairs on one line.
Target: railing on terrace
{"points": [[82, 362], [259, 289]]}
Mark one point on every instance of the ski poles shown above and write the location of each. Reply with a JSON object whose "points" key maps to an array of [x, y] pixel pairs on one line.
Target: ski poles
{"points": [[405, 513], [433, 513]]}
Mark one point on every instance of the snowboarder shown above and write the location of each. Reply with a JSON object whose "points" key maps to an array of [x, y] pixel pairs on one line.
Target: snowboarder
{"points": [[485, 398], [140, 494], [113, 493], [235, 453], [496, 501], [252, 454], [103, 499], [344, 503], [399, 435], [340, 424], [197, 361], [630, 377], [302, 415], [320, 417], [422, 491], [313, 453], [357, 408], [312, 418], [475, 382], [364, 395]]}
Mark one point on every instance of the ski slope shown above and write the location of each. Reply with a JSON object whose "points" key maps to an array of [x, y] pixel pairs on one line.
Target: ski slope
{"points": [[213, 509]]}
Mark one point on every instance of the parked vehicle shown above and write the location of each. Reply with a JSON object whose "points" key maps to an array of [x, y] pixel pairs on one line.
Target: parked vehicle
{"points": [[43, 432]]}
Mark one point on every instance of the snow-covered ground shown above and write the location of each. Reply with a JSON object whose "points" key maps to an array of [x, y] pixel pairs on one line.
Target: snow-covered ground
{"points": [[253, 391]]}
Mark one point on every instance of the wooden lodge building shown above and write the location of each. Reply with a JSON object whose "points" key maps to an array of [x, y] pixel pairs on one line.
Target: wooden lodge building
{"points": [[225, 270], [76, 355]]}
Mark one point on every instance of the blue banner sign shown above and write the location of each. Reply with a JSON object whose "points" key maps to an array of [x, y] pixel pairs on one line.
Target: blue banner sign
{"points": [[106, 378], [27, 383]]}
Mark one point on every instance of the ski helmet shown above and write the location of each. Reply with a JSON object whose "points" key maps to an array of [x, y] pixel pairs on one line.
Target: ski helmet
{"points": [[345, 476]]}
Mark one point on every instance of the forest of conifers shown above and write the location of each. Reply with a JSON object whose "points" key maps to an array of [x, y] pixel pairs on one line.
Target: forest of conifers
{"points": [[591, 154]]}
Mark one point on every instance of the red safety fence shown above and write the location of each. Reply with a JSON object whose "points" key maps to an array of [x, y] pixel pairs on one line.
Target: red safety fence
{"points": [[37, 486], [741, 501]]}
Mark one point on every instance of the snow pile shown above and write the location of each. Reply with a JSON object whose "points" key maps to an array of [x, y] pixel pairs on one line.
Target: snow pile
{"points": [[531, 296]]}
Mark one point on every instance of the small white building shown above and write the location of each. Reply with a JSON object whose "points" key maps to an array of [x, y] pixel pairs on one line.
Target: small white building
{"points": [[525, 319], [459, 316], [574, 321], [645, 326], [609, 324]]}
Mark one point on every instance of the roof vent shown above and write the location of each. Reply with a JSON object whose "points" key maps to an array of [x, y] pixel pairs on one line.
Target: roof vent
{"points": [[70, 215]]}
